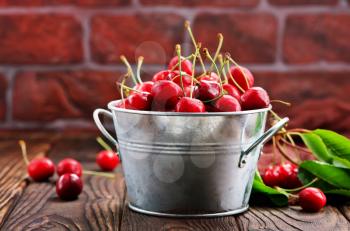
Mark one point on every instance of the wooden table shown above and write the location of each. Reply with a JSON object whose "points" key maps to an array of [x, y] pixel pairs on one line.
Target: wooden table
{"points": [[25, 205]]}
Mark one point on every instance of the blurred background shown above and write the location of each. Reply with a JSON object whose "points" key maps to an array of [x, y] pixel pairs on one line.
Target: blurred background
{"points": [[59, 59]]}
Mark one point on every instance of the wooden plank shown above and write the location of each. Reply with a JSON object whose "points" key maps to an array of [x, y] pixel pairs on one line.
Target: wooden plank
{"points": [[99, 207], [292, 218], [136, 221], [13, 173]]}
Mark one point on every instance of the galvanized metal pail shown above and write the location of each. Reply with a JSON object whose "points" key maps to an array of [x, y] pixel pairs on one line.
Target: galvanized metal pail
{"points": [[188, 164]]}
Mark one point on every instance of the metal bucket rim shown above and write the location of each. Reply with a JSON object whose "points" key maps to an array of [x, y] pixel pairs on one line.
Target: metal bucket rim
{"points": [[161, 113]]}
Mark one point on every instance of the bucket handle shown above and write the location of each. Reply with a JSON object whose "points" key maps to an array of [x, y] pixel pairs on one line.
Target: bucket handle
{"points": [[261, 140], [100, 126]]}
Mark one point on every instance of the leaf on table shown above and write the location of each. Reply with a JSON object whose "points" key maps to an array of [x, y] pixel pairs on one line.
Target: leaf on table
{"points": [[337, 144], [342, 192], [262, 192], [336, 176], [322, 151]]}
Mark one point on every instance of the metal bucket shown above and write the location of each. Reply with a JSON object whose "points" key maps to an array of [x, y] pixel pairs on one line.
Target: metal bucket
{"points": [[188, 164]]}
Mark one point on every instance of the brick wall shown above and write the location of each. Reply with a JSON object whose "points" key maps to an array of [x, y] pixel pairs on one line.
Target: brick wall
{"points": [[59, 59]]}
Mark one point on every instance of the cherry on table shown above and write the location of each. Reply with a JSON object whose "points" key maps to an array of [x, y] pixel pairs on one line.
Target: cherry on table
{"points": [[227, 103], [107, 160], [186, 65], [165, 95], [41, 169], [232, 91], [240, 74], [255, 98], [187, 104], [69, 165], [208, 90], [69, 186], [312, 199]]}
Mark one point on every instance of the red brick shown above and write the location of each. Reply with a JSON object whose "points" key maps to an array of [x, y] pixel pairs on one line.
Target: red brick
{"points": [[112, 36], [3, 87], [4, 3], [218, 3], [46, 96], [314, 38], [319, 99], [40, 39], [250, 38], [303, 2]]}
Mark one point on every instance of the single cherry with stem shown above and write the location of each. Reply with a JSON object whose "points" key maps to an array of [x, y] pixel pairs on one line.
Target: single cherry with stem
{"points": [[227, 103], [186, 65], [69, 186], [240, 75], [255, 98], [40, 168], [107, 159], [187, 104], [208, 90], [165, 75], [69, 165], [143, 87], [312, 199]]}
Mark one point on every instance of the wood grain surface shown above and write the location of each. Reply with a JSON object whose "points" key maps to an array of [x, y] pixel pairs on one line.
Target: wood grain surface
{"points": [[26, 205]]}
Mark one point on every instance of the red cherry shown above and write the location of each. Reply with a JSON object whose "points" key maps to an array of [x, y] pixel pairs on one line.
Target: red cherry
{"points": [[312, 199], [41, 169], [232, 91], [69, 186], [107, 160], [195, 91], [165, 94], [186, 80], [208, 90], [288, 177], [143, 87], [186, 66], [211, 77], [187, 104], [227, 103], [210, 108], [164, 75], [255, 98], [69, 165], [239, 77], [138, 101], [271, 176]]}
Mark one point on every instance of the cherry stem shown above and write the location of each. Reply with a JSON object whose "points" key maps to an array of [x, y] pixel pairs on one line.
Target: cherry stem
{"points": [[188, 27], [295, 146], [233, 80], [280, 101], [302, 187], [132, 89], [103, 174], [127, 64], [193, 68], [23, 146], [228, 56], [206, 51], [103, 144], [217, 97], [122, 88], [178, 52], [222, 68], [274, 149], [218, 49], [283, 153], [138, 70]]}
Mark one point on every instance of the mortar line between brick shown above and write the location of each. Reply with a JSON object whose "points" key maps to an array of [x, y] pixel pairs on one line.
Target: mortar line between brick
{"points": [[85, 23], [10, 77]]}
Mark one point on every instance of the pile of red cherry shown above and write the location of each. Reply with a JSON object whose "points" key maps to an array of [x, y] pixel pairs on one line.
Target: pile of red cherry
{"points": [[177, 90], [69, 184], [286, 176]]}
